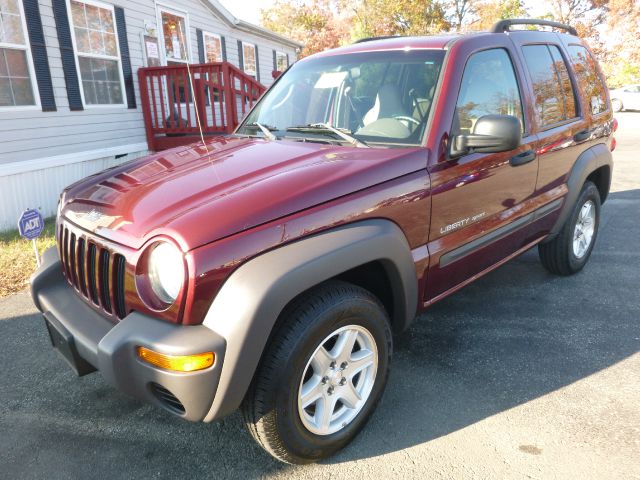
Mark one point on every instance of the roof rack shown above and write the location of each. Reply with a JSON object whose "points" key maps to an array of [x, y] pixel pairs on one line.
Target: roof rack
{"points": [[371, 39], [503, 25]]}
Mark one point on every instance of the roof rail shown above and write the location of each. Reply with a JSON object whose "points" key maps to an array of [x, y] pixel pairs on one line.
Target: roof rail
{"points": [[503, 25], [371, 39]]}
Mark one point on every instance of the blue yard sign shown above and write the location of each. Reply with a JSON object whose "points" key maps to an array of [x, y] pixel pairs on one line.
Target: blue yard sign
{"points": [[30, 226]]}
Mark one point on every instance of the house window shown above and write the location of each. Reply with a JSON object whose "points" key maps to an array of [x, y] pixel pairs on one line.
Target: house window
{"points": [[175, 37], [97, 52], [212, 47], [249, 58], [282, 62], [16, 69]]}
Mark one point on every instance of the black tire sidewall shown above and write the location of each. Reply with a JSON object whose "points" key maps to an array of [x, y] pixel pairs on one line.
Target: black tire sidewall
{"points": [[298, 440], [589, 192]]}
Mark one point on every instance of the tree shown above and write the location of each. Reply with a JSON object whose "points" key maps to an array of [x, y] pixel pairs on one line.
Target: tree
{"points": [[489, 12], [398, 17], [462, 10], [315, 24]]}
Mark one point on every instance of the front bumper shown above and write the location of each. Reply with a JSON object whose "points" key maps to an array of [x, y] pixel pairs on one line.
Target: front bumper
{"points": [[111, 347]]}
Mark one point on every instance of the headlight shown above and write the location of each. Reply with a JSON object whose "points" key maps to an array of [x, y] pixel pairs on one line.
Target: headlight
{"points": [[166, 271]]}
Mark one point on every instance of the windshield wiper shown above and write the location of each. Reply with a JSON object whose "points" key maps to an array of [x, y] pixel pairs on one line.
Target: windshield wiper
{"points": [[266, 130], [326, 128]]}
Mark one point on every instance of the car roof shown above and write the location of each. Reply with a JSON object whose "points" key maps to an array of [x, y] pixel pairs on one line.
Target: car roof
{"points": [[437, 42]]}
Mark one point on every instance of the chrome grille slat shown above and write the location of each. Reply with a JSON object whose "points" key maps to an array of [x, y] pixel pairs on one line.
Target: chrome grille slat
{"points": [[72, 261], [94, 270], [82, 267], [103, 272], [91, 273]]}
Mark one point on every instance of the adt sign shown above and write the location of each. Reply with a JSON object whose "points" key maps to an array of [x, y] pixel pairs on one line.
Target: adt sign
{"points": [[30, 224]]}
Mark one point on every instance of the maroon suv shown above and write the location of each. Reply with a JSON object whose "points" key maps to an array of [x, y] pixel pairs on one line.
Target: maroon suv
{"points": [[269, 270]]}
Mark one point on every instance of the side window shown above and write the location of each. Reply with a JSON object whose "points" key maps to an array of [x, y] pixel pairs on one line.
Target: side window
{"points": [[589, 80], [489, 86], [565, 82], [554, 97]]}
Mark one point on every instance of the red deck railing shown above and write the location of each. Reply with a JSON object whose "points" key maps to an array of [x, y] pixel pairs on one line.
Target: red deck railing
{"points": [[220, 95]]}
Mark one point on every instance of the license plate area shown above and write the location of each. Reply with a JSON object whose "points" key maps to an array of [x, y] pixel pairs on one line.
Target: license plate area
{"points": [[64, 343]]}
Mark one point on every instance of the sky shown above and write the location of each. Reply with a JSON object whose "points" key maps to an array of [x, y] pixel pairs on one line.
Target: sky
{"points": [[249, 10]]}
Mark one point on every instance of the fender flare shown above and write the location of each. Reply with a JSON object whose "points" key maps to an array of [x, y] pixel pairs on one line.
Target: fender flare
{"points": [[588, 162], [247, 306]]}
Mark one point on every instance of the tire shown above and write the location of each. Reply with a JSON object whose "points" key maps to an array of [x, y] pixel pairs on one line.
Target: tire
{"points": [[271, 407], [616, 104], [569, 252]]}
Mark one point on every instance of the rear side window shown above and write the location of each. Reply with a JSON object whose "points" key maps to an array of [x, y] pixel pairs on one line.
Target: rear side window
{"points": [[488, 87], [589, 80], [554, 97]]}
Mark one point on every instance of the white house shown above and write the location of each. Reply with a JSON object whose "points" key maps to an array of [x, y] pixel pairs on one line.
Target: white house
{"points": [[69, 96]]}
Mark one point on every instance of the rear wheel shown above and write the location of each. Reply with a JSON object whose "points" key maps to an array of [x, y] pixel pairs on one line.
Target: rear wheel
{"points": [[322, 374], [616, 104], [570, 250]]}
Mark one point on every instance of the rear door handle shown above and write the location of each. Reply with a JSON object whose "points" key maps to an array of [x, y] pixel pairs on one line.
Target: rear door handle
{"points": [[581, 136], [522, 158]]}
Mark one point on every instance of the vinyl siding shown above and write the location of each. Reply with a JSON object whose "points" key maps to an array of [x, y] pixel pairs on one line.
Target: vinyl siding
{"points": [[32, 134], [43, 152]]}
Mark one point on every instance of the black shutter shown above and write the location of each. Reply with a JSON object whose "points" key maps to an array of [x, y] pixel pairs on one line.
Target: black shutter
{"points": [[240, 55], [200, 38], [39, 54], [224, 48], [287, 60], [67, 54], [125, 58], [255, 50], [275, 61]]}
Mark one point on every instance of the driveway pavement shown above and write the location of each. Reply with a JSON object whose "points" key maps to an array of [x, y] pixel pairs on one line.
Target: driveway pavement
{"points": [[520, 375]]}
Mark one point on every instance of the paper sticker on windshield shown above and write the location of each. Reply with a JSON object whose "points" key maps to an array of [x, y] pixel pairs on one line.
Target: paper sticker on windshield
{"points": [[330, 80]]}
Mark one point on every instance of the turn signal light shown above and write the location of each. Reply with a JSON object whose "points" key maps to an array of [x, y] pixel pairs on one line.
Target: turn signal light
{"points": [[177, 363]]}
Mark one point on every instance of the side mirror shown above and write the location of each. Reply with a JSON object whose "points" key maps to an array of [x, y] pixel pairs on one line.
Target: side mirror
{"points": [[490, 134]]}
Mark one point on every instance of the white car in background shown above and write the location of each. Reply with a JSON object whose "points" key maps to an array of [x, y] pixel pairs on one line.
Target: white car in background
{"points": [[625, 98]]}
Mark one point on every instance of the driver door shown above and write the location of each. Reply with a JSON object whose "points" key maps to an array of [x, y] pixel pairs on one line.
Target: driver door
{"points": [[478, 198]]}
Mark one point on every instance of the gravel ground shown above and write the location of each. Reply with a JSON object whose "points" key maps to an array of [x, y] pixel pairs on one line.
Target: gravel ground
{"points": [[520, 375]]}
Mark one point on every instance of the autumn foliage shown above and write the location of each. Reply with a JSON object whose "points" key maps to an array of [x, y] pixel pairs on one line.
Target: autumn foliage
{"points": [[612, 27]]}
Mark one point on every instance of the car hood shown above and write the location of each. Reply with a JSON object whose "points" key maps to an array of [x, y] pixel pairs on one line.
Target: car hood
{"points": [[201, 193]]}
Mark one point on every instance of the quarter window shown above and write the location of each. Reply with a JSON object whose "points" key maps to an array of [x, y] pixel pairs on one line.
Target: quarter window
{"points": [[589, 80], [212, 47], [551, 83], [97, 51], [489, 86], [249, 58], [16, 86]]}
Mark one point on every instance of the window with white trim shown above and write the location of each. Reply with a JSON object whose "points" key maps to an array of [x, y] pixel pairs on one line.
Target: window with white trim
{"points": [[174, 36], [282, 62], [212, 47], [249, 58], [97, 52], [17, 87]]}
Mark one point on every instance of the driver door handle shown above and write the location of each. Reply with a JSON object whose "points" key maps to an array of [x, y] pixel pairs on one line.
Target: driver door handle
{"points": [[522, 158]]}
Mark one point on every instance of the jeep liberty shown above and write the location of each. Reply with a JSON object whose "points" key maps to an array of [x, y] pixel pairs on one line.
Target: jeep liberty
{"points": [[268, 270]]}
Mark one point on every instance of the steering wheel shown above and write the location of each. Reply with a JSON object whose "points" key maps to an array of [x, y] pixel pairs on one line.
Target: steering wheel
{"points": [[408, 119]]}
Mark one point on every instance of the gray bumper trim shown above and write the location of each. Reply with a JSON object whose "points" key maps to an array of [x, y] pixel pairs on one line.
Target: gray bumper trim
{"points": [[111, 348]]}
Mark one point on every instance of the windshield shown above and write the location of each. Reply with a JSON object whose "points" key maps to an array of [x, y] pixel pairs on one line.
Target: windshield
{"points": [[381, 98]]}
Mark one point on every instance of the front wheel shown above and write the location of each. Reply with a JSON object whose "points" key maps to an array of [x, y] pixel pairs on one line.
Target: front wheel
{"points": [[322, 374], [570, 250]]}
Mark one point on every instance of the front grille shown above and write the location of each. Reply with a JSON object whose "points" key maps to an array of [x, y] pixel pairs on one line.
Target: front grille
{"points": [[95, 271]]}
